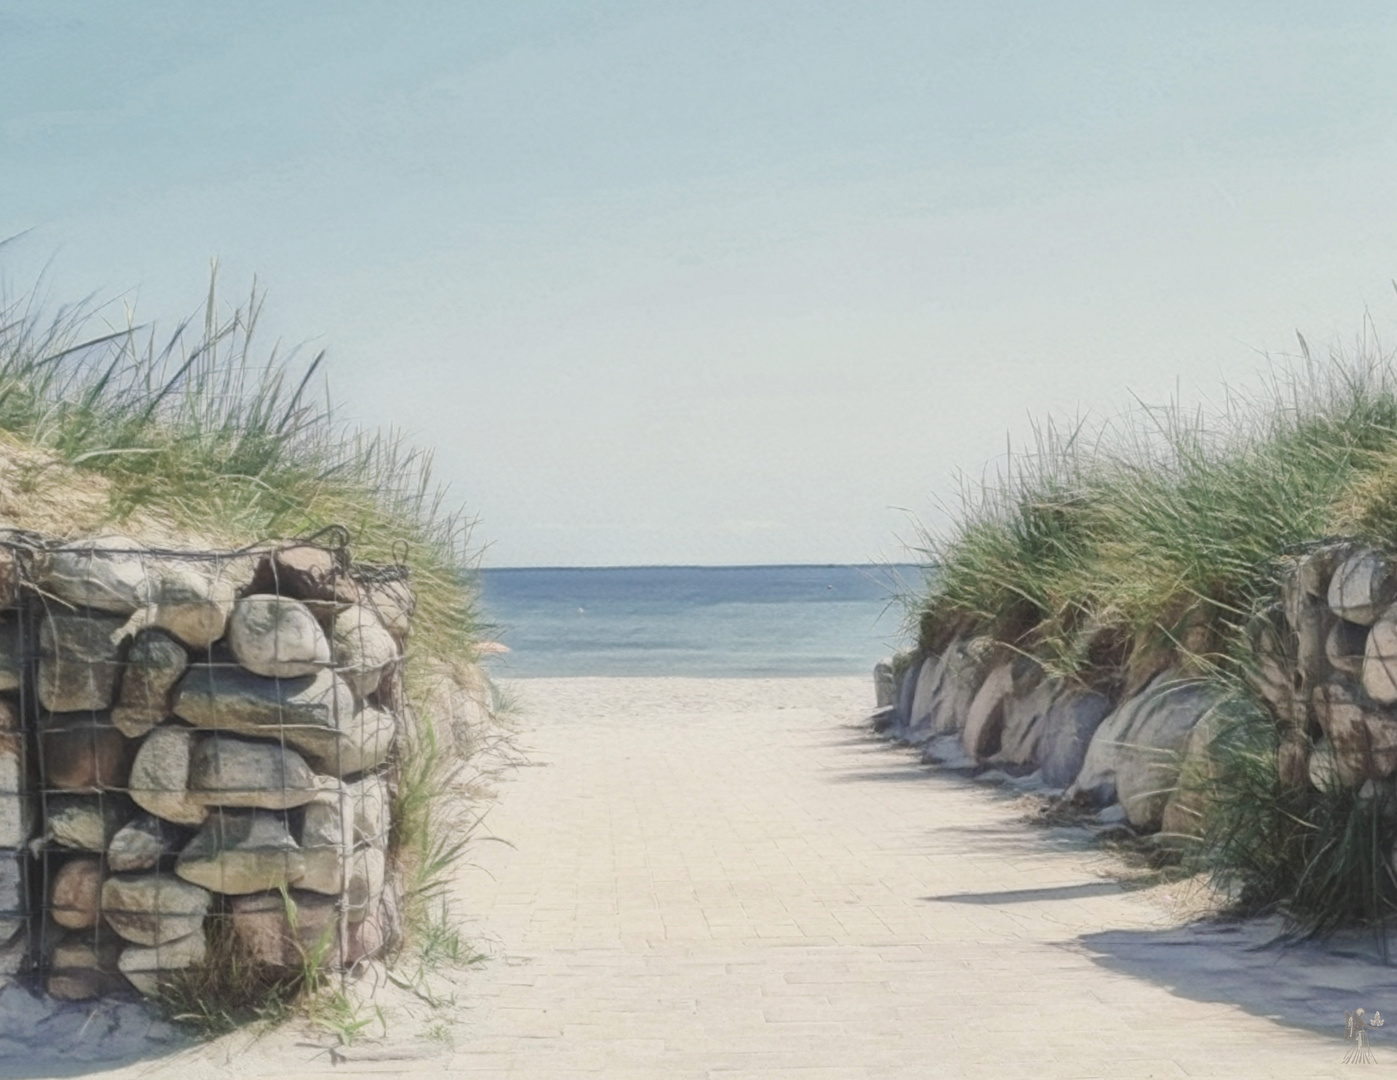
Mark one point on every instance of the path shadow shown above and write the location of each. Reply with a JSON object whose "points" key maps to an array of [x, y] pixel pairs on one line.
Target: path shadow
{"points": [[41, 1037], [1304, 984], [1024, 896]]}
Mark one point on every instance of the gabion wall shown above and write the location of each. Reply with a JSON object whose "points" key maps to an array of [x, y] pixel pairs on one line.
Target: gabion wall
{"points": [[195, 748]]}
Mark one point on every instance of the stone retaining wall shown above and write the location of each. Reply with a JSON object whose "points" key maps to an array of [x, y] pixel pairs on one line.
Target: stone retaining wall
{"points": [[194, 747], [1325, 664]]}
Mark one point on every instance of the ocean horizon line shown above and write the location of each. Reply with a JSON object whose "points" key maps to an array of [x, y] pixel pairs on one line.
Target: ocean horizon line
{"points": [[716, 566]]}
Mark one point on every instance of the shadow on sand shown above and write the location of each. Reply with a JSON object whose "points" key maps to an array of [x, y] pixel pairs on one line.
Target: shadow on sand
{"points": [[1305, 984], [41, 1037]]}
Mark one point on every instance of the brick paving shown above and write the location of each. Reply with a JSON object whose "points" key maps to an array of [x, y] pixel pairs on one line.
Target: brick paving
{"points": [[732, 879]]}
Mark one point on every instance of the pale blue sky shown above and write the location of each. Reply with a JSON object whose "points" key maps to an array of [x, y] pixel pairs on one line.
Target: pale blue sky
{"points": [[719, 282]]}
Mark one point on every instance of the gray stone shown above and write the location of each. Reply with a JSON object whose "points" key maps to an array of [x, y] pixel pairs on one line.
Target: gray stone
{"points": [[304, 572], [1025, 713], [884, 719], [1323, 768], [140, 844], [14, 891], [108, 574], [1068, 728], [364, 650], [393, 602], [76, 893], [1364, 740], [277, 637], [84, 822], [82, 752], [16, 801], [224, 771], [326, 843], [145, 966], [160, 775], [884, 684], [83, 965], [264, 925], [945, 693], [313, 713], [1362, 586], [242, 851], [372, 805], [366, 745], [984, 723], [79, 662], [906, 693], [1184, 812], [368, 869], [1380, 659], [154, 664], [1346, 646], [1316, 569], [1134, 755], [11, 660], [190, 599], [154, 909]]}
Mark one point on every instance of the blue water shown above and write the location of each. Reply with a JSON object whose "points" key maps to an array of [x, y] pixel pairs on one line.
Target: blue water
{"points": [[698, 621]]}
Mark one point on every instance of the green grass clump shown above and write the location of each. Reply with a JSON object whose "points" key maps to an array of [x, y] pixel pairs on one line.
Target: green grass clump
{"points": [[1166, 528], [197, 435]]}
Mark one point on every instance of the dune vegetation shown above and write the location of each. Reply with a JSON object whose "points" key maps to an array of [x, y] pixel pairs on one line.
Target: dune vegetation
{"points": [[1168, 532], [193, 437]]}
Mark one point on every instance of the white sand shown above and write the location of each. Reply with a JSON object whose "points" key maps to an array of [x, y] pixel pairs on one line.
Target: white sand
{"points": [[731, 878]]}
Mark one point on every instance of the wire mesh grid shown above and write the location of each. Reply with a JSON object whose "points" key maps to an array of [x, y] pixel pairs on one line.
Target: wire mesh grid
{"points": [[196, 750]]}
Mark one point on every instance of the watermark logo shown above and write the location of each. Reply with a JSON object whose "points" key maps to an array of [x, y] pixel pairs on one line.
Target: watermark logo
{"points": [[1356, 1029]]}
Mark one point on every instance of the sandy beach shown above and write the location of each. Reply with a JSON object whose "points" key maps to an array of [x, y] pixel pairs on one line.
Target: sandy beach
{"points": [[732, 878]]}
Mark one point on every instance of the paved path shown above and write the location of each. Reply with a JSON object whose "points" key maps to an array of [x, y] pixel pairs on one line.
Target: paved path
{"points": [[731, 879]]}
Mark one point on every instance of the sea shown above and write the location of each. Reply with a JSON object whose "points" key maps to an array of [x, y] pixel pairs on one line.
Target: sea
{"points": [[708, 621]]}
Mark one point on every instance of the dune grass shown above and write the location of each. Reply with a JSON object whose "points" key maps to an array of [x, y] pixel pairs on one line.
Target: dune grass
{"points": [[1169, 531], [196, 433]]}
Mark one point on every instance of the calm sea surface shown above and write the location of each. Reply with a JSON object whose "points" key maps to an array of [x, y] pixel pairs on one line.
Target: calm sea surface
{"points": [[699, 621]]}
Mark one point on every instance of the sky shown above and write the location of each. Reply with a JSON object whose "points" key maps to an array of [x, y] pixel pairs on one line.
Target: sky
{"points": [[719, 282]]}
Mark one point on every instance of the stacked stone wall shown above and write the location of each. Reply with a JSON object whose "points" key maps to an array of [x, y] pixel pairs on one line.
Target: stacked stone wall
{"points": [[195, 747]]}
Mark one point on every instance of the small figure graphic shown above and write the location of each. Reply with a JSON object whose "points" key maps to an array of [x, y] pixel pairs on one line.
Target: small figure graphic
{"points": [[1356, 1029]]}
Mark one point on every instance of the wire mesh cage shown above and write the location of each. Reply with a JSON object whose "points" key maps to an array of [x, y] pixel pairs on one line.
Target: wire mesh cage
{"points": [[196, 755]]}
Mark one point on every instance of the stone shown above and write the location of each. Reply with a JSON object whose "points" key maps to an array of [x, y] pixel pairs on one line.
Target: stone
{"points": [[16, 800], [1323, 768], [108, 574], [9, 579], [364, 650], [225, 771], [1316, 569], [82, 752], [1363, 585], [79, 662], [370, 935], [372, 806], [14, 891], [1024, 714], [1293, 758], [242, 851], [1273, 670], [154, 664], [1380, 658], [84, 822], [14, 953], [1346, 646], [393, 602], [313, 713], [154, 909], [1183, 816], [884, 719], [1134, 754], [145, 966], [77, 893], [366, 745], [884, 684], [304, 572], [191, 599], [326, 842], [1071, 722], [906, 692], [946, 691], [140, 844], [83, 965], [984, 723], [277, 637], [1364, 740], [263, 924], [368, 869], [11, 652], [160, 775]]}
